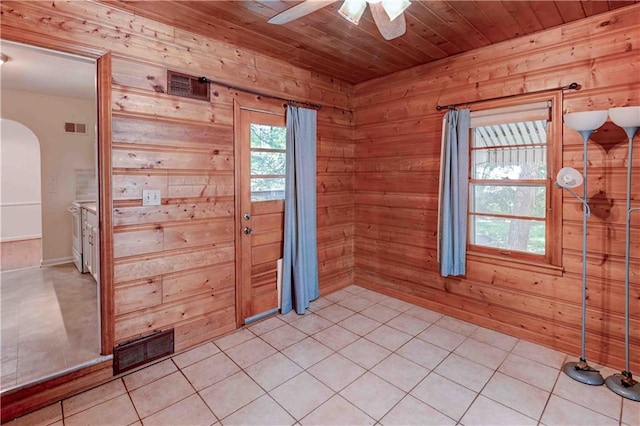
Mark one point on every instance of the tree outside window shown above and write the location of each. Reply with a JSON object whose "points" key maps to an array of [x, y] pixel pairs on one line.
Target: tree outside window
{"points": [[268, 162], [508, 187]]}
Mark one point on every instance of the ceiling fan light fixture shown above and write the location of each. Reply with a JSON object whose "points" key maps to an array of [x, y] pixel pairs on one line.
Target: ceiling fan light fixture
{"points": [[394, 8], [352, 10]]}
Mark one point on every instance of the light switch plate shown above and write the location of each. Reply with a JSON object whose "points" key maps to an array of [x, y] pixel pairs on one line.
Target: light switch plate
{"points": [[151, 197]]}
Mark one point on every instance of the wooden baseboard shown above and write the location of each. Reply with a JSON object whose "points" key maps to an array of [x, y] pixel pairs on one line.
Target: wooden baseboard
{"points": [[22, 401], [57, 261], [336, 282]]}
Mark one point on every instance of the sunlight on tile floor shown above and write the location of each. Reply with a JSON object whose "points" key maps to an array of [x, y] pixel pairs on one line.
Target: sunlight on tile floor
{"points": [[356, 358]]}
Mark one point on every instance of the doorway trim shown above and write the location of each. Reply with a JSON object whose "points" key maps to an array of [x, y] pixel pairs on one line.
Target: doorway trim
{"points": [[269, 106], [23, 400]]}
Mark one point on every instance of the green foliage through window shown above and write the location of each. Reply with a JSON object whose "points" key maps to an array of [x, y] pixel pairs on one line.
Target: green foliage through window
{"points": [[268, 162], [508, 189]]}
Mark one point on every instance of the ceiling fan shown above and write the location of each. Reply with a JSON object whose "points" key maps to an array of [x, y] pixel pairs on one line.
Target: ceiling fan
{"points": [[387, 14]]}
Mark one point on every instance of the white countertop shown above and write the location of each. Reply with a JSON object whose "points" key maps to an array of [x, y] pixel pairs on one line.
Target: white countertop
{"points": [[90, 207]]}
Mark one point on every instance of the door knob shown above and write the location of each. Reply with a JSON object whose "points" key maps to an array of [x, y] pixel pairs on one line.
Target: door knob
{"points": [[247, 230]]}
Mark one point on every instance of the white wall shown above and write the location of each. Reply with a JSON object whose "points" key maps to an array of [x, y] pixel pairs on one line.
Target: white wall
{"points": [[61, 154], [20, 213]]}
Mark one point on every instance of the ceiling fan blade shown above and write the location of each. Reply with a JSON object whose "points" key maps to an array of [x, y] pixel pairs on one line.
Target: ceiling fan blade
{"points": [[389, 29], [299, 10]]}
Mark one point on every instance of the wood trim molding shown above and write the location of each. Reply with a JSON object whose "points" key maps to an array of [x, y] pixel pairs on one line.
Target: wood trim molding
{"points": [[556, 138], [21, 401], [236, 219], [105, 216], [103, 58], [28, 399], [27, 37], [553, 258]]}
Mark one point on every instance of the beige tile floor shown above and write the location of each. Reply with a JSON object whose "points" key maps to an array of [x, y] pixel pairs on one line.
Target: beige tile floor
{"points": [[48, 320], [356, 358]]}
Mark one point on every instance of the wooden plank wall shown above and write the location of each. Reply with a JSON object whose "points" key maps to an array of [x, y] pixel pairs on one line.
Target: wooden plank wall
{"points": [[174, 263], [398, 132]]}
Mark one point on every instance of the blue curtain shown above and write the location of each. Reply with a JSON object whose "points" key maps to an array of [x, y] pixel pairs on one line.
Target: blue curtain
{"points": [[300, 260], [454, 193]]}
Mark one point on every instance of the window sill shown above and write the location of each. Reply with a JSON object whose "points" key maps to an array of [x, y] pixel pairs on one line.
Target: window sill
{"points": [[525, 265]]}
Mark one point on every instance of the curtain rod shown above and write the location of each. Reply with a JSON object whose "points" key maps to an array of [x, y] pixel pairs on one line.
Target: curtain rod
{"points": [[254, 92], [572, 86]]}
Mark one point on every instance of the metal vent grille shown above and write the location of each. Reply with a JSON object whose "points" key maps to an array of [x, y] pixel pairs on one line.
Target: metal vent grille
{"points": [[75, 128], [187, 86], [134, 354]]}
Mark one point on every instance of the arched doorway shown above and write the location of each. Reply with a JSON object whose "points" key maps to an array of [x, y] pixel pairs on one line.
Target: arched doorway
{"points": [[20, 196]]}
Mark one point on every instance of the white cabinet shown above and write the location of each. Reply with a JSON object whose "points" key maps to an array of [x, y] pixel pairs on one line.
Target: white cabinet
{"points": [[90, 242]]}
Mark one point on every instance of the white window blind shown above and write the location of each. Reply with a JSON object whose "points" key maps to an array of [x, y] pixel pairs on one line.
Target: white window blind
{"points": [[511, 114]]}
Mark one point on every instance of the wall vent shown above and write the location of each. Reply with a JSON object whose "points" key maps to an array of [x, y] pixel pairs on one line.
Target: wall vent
{"points": [[134, 354], [75, 128], [187, 86]]}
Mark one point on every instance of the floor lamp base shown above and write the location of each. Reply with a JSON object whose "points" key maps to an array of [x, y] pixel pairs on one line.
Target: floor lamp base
{"points": [[582, 373], [623, 386]]}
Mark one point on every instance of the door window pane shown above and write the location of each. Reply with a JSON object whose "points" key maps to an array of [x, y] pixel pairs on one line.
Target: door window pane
{"points": [[263, 136], [263, 189], [268, 163]]}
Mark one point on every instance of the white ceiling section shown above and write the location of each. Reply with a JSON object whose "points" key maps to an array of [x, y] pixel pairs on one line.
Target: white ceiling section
{"points": [[43, 71]]}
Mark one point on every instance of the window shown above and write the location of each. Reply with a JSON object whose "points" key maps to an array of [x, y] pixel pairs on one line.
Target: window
{"points": [[510, 190], [268, 162]]}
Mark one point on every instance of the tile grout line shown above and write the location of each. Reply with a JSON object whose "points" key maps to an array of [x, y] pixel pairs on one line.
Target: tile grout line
{"points": [[193, 387], [546, 404], [267, 393], [483, 387], [334, 393], [304, 370], [431, 371], [96, 404], [135, 409], [369, 370], [408, 393], [389, 355]]}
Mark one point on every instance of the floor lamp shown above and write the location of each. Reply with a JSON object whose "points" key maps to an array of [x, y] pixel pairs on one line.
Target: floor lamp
{"points": [[623, 384], [584, 123]]}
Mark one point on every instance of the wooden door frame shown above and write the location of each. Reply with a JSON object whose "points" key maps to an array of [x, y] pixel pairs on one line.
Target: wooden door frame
{"points": [[244, 102], [105, 204]]}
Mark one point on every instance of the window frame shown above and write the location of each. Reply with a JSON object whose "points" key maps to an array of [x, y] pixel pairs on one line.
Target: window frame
{"points": [[553, 218]]}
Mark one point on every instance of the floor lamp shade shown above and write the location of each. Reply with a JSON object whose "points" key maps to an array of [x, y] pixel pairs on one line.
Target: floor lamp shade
{"points": [[586, 120], [568, 178], [625, 116]]}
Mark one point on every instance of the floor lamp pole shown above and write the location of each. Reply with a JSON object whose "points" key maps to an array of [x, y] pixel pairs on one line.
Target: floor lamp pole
{"points": [[581, 371], [585, 216], [623, 384]]}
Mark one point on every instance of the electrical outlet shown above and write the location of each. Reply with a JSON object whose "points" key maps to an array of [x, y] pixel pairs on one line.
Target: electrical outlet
{"points": [[151, 197], [52, 185]]}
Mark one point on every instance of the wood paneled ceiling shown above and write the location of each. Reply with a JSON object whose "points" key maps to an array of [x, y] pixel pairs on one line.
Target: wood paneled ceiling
{"points": [[326, 43]]}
